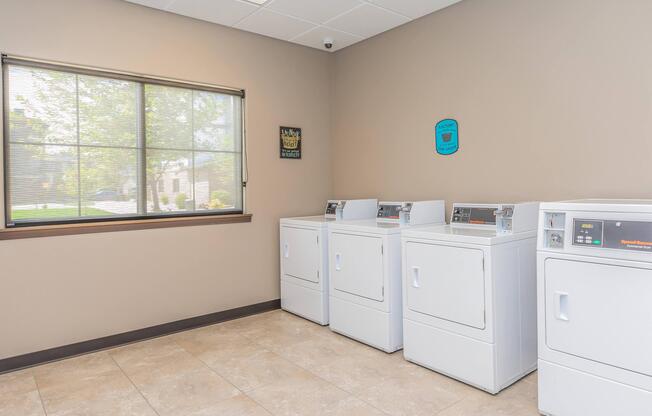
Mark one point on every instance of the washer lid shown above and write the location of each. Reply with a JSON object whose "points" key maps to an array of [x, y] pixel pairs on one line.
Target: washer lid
{"points": [[469, 235], [316, 221], [371, 227]]}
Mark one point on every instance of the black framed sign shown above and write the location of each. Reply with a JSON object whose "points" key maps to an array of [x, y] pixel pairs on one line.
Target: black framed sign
{"points": [[290, 142]]}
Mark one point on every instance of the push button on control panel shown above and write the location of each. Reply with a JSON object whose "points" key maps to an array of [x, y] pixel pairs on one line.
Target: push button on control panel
{"points": [[587, 233]]}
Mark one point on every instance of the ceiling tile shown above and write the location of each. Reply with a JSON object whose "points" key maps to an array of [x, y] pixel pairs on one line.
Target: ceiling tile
{"points": [[269, 23], [414, 8], [306, 22], [157, 4], [367, 21], [317, 11], [224, 12], [315, 38]]}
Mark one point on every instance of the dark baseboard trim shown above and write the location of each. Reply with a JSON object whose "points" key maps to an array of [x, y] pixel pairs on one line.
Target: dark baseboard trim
{"points": [[111, 341]]}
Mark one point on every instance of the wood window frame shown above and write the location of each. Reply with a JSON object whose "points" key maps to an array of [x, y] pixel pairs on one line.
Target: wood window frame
{"points": [[17, 233]]}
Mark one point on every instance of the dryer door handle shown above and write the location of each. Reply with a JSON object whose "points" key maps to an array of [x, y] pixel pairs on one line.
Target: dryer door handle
{"points": [[561, 306], [415, 277], [338, 262]]}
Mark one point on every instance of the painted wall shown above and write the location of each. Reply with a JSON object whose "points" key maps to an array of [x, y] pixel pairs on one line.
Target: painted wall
{"points": [[553, 97], [554, 100], [60, 290]]}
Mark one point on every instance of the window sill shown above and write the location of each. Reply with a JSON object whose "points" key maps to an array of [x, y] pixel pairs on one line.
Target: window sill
{"points": [[111, 226]]}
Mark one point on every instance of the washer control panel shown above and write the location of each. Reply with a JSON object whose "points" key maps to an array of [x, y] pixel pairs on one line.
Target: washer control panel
{"points": [[474, 215]]}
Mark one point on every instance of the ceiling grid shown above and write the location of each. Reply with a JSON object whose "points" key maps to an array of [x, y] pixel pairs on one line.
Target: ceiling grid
{"points": [[306, 22]]}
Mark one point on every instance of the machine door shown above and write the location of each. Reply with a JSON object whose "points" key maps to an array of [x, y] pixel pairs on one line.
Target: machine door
{"points": [[357, 265], [300, 253], [446, 282], [600, 312]]}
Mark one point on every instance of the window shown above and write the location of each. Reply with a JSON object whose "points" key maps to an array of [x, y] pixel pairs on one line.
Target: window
{"points": [[91, 145]]}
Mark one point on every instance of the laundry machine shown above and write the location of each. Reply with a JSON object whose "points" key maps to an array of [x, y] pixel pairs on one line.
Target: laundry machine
{"points": [[304, 256], [365, 265], [594, 289], [469, 294]]}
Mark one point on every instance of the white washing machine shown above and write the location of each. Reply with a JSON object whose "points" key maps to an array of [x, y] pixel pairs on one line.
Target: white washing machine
{"points": [[304, 257], [594, 280], [469, 294], [365, 264]]}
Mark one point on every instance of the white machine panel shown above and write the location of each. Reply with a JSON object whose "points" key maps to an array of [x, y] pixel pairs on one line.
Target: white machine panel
{"points": [[594, 280], [351, 209], [357, 265], [365, 263], [300, 253], [594, 311], [469, 294], [304, 257], [463, 358], [446, 282], [564, 391]]}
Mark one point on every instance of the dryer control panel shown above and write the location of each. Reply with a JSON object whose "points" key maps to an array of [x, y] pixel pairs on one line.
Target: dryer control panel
{"points": [[331, 208], [604, 228], [614, 234], [411, 213], [474, 215], [350, 209], [393, 210], [504, 218]]}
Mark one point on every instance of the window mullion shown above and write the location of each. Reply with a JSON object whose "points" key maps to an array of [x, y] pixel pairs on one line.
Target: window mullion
{"points": [[79, 179], [192, 153], [141, 192]]}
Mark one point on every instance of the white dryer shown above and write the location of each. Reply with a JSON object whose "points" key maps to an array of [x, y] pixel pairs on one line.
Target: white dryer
{"points": [[469, 294], [304, 257], [594, 281], [365, 264]]}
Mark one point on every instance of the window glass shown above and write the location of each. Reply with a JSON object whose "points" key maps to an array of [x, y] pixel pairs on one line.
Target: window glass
{"points": [[83, 146]]}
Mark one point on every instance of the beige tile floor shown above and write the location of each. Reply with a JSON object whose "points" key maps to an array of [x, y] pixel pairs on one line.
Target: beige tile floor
{"points": [[269, 364]]}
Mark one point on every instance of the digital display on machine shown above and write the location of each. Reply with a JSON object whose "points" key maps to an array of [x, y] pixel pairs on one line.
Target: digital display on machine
{"points": [[474, 215], [587, 233], [614, 234], [331, 208], [388, 211]]}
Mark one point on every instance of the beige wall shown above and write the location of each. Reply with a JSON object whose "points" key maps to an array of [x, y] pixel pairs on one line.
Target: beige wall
{"points": [[553, 97], [55, 291], [554, 100]]}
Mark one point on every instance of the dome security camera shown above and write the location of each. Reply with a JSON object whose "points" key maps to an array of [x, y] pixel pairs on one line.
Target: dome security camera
{"points": [[328, 43]]}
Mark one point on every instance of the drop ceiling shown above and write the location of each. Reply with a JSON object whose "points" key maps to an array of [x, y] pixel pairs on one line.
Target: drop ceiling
{"points": [[306, 22]]}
